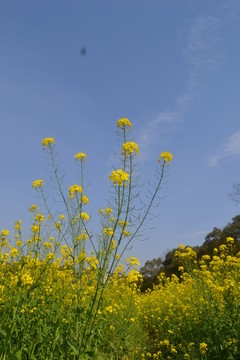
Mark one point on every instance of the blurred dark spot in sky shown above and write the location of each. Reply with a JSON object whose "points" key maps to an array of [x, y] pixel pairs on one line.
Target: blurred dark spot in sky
{"points": [[83, 51]]}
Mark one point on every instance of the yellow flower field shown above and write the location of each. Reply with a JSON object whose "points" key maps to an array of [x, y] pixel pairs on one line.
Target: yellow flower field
{"points": [[65, 294]]}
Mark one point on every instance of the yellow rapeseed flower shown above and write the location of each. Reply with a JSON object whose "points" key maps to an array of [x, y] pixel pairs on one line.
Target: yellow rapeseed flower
{"points": [[119, 176], [126, 233], [230, 240], [4, 233], [113, 244], [37, 184], [47, 245], [82, 236], [26, 279], [166, 156], [14, 252], [35, 228], [18, 225], [58, 225], [129, 148], [133, 261], [109, 309], [73, 190], [40, 218], [203, 348], [19, 243], [33, 208], [50, 256], [123, 122], [85, 199], [108, 231], [84, 216], [108, 211], [48, 141], [80, 156]]}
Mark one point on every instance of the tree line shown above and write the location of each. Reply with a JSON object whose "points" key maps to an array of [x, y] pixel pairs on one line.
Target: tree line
{"points": [[170, 264]]}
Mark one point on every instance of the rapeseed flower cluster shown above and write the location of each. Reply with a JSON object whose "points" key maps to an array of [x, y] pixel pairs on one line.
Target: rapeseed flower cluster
{"points": [[47, 142], [119, 177], [166, 156], [123, 123], [74, 190], [37, 184], [80, 156], [129, 148]]}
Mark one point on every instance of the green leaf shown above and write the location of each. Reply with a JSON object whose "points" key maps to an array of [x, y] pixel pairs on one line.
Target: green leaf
{"points": [[18, 355], [15, 355], [75, 351], [3, 333]]}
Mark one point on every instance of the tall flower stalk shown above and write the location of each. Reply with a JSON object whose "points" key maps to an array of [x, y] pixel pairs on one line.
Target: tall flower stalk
{"points": [[110, 244]]}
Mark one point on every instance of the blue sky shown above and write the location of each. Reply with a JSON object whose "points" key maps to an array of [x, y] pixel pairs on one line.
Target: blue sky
{"points": [[171, 67]]}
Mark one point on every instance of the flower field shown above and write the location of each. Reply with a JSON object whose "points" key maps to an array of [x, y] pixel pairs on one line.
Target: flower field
{"points": [[65, 294]]}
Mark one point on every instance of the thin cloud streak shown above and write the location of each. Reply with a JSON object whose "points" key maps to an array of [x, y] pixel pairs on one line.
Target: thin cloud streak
{"points": [[201, 53], [213, 160], [231, 147], [149, 134], [203, 48]]}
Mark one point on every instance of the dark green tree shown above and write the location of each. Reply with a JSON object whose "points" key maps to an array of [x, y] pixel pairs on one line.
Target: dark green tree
{"points": [[152, 268], [150, 272]]}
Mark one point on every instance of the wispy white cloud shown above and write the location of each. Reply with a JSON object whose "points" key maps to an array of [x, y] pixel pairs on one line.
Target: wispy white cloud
{"points": [[160, 124], [231, 8], [230, 147], [213, 160], [201, 52]]}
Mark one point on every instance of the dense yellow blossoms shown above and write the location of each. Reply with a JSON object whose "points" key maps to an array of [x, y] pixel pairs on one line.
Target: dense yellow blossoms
{"points": [[80, 156], [74, 190], [48, 141], [177, 320], [123, 223], [230, 240], [203, 348], [84, 216], [166, 156], [39, 218], [82, 236], [108, 211], [18, 225], [64, 292], [108, 231], [37, 184], [133, 261], [35, 228], [85, 199], [119, 177], [123, 123], [33, 208], [62, 217], [129, 148], [4, 233]]}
